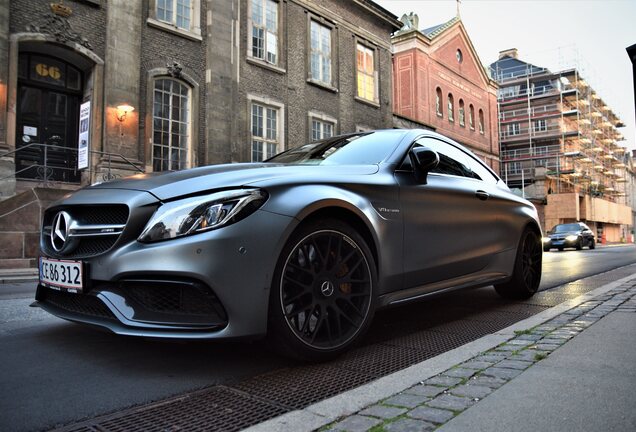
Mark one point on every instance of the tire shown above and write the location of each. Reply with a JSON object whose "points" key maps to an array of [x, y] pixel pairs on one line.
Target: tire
{"points": [[561, 249], [526, 274], [546, 249], [592, 244], [323, 294], [579, 244]]}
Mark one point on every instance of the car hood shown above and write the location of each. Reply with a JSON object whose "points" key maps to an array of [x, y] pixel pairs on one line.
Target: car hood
{"points": [[167, 185]]}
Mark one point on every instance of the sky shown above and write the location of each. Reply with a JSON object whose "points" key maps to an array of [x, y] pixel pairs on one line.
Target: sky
{"points": [[558, 34]]}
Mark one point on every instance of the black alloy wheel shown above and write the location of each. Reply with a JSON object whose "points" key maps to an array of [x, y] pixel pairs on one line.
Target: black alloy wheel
{"points": [[324, 295], [526, 275]]}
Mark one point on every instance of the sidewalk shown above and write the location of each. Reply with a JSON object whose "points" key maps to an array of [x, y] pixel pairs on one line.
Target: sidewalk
{"points": [[568, 368]]}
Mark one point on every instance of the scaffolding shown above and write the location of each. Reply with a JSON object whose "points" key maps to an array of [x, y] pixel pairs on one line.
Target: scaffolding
{"points": [[556, 130]]}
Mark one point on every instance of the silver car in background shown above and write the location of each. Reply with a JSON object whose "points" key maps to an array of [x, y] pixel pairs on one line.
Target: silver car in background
{"points": [[304, 247]]}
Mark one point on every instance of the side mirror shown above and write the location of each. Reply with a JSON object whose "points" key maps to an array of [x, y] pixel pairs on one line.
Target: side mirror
{"points": [[423, 160]]}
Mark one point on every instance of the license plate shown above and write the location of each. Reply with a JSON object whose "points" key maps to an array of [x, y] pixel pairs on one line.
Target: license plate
{"points": [[62, 274]]}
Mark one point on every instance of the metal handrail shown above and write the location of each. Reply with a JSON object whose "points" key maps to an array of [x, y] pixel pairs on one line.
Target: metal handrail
{"points": [[46, 170]]}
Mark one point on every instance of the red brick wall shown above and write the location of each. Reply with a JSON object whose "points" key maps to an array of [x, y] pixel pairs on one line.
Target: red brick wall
{"points": [[419, 71]]}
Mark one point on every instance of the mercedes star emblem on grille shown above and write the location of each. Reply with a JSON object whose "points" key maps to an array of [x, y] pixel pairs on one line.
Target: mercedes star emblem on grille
{"points": [[59, 233]]}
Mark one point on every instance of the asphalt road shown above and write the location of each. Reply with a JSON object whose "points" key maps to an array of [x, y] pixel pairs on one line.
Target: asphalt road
{"points": [[55, 372]]}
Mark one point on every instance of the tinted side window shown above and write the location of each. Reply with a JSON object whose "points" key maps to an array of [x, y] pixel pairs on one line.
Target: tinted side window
{"points": [[455, 161]]}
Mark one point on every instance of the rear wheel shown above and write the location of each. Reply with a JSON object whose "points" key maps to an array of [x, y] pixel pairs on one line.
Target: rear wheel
{"points": [[322, 299], [526, 274]]}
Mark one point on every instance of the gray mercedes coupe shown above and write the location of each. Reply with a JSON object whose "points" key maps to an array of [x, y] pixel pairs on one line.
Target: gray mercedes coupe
{"points": [[303, 247]]}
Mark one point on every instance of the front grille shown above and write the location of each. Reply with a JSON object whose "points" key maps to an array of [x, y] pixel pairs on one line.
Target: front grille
{"points": [[81, 304], [86, 216], [177, 298]]}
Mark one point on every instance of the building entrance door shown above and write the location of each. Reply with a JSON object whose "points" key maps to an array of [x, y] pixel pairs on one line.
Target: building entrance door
{"points": [[49, 94]]}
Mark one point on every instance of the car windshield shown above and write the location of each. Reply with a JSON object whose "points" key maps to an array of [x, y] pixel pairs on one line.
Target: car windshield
{"points": [[353, 149], [566, 228]]}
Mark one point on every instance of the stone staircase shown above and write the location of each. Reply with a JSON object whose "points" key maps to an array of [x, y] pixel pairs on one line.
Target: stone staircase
{"points": [[20, 222]]}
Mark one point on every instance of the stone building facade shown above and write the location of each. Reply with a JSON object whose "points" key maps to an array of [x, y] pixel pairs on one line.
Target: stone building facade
{"points": [[440, 81], [174, 84]]}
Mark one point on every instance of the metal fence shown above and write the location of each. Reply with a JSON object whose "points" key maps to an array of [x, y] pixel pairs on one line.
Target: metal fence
{"points": [[53, 168]]}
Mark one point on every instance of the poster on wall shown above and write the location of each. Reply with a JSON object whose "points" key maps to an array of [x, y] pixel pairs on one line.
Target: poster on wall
{"points": [[82, 145]]}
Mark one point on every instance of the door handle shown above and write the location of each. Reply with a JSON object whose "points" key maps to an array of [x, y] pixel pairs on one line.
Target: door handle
{"points": [[482, 195]]}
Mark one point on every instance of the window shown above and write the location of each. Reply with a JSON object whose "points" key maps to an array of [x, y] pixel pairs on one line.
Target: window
{"points": [[321, 129], [451, 107], [509, 92], [481, 121], [540, 125], [265, 135], [265, 30], [176, 12], [471, 117], [462, 113], [438, 101], [366, 73], [514, 129], [454, 161], [170, 125], [459, 56], [320, 62], [513, 168]]}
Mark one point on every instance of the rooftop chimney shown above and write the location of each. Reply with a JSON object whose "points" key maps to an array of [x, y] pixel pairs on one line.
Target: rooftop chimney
{"points": [[512, 52]]}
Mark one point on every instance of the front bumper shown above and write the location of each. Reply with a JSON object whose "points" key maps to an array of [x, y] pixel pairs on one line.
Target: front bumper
{"points": [[229, 269], [549, 244]]}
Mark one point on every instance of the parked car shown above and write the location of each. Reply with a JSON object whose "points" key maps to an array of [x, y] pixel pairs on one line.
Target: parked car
{"points": [[570, 235], [304, 247]]}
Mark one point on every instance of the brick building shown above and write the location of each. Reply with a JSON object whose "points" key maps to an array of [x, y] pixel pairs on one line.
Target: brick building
{"points": [[440, 81], [208, 81]]}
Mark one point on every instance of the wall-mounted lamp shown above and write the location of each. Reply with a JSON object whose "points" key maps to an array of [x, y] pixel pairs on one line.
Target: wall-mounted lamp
{"points": [[123, 110]]}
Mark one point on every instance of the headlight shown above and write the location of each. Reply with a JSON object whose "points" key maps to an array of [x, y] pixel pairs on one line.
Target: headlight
{"points": [[546, 239], [572, 238], [201, 213]]}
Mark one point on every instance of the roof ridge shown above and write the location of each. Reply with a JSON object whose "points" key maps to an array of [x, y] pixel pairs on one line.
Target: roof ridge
{"points": [[435, 31]]}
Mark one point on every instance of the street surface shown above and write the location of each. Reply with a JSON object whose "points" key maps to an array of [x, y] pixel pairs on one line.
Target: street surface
{"points": [[55, 372]]}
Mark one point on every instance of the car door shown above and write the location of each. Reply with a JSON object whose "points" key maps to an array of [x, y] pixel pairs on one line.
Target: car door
{"points": [[450, 223]]}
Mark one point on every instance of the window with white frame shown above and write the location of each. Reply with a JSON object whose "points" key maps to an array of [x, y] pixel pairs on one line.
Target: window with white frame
{"points": [[265, 30], [367, 88], [514, 129], [320, 49], [321, 129], [176, 12], [540, 125], [265, 131], [170, 125]]}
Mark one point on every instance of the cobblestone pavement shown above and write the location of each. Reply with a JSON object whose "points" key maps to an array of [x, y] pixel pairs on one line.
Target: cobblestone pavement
{"points": [[432, 403]]}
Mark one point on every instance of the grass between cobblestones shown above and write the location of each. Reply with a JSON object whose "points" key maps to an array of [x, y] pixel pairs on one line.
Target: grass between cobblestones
{"points": [[507, 360]]}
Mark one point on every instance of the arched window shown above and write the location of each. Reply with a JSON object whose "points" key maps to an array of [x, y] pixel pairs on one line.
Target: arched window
{"points": [[451, 108], [462, 113], [481, 121], [170, 125], [471, 117], [438, 101]]}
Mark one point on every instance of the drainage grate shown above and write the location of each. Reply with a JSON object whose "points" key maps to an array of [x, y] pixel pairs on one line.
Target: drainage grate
{"points": [[301, 386], [381, 359], [433, 343], [215, 409]]}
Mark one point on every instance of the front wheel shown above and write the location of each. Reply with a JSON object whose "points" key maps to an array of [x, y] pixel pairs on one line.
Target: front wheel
{"points": [[592, 244], [579, 244], [322, 298], [526, 274]]}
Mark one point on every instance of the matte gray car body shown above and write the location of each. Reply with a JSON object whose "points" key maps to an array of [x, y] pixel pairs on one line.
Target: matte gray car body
{"points": [[449, 233]]}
